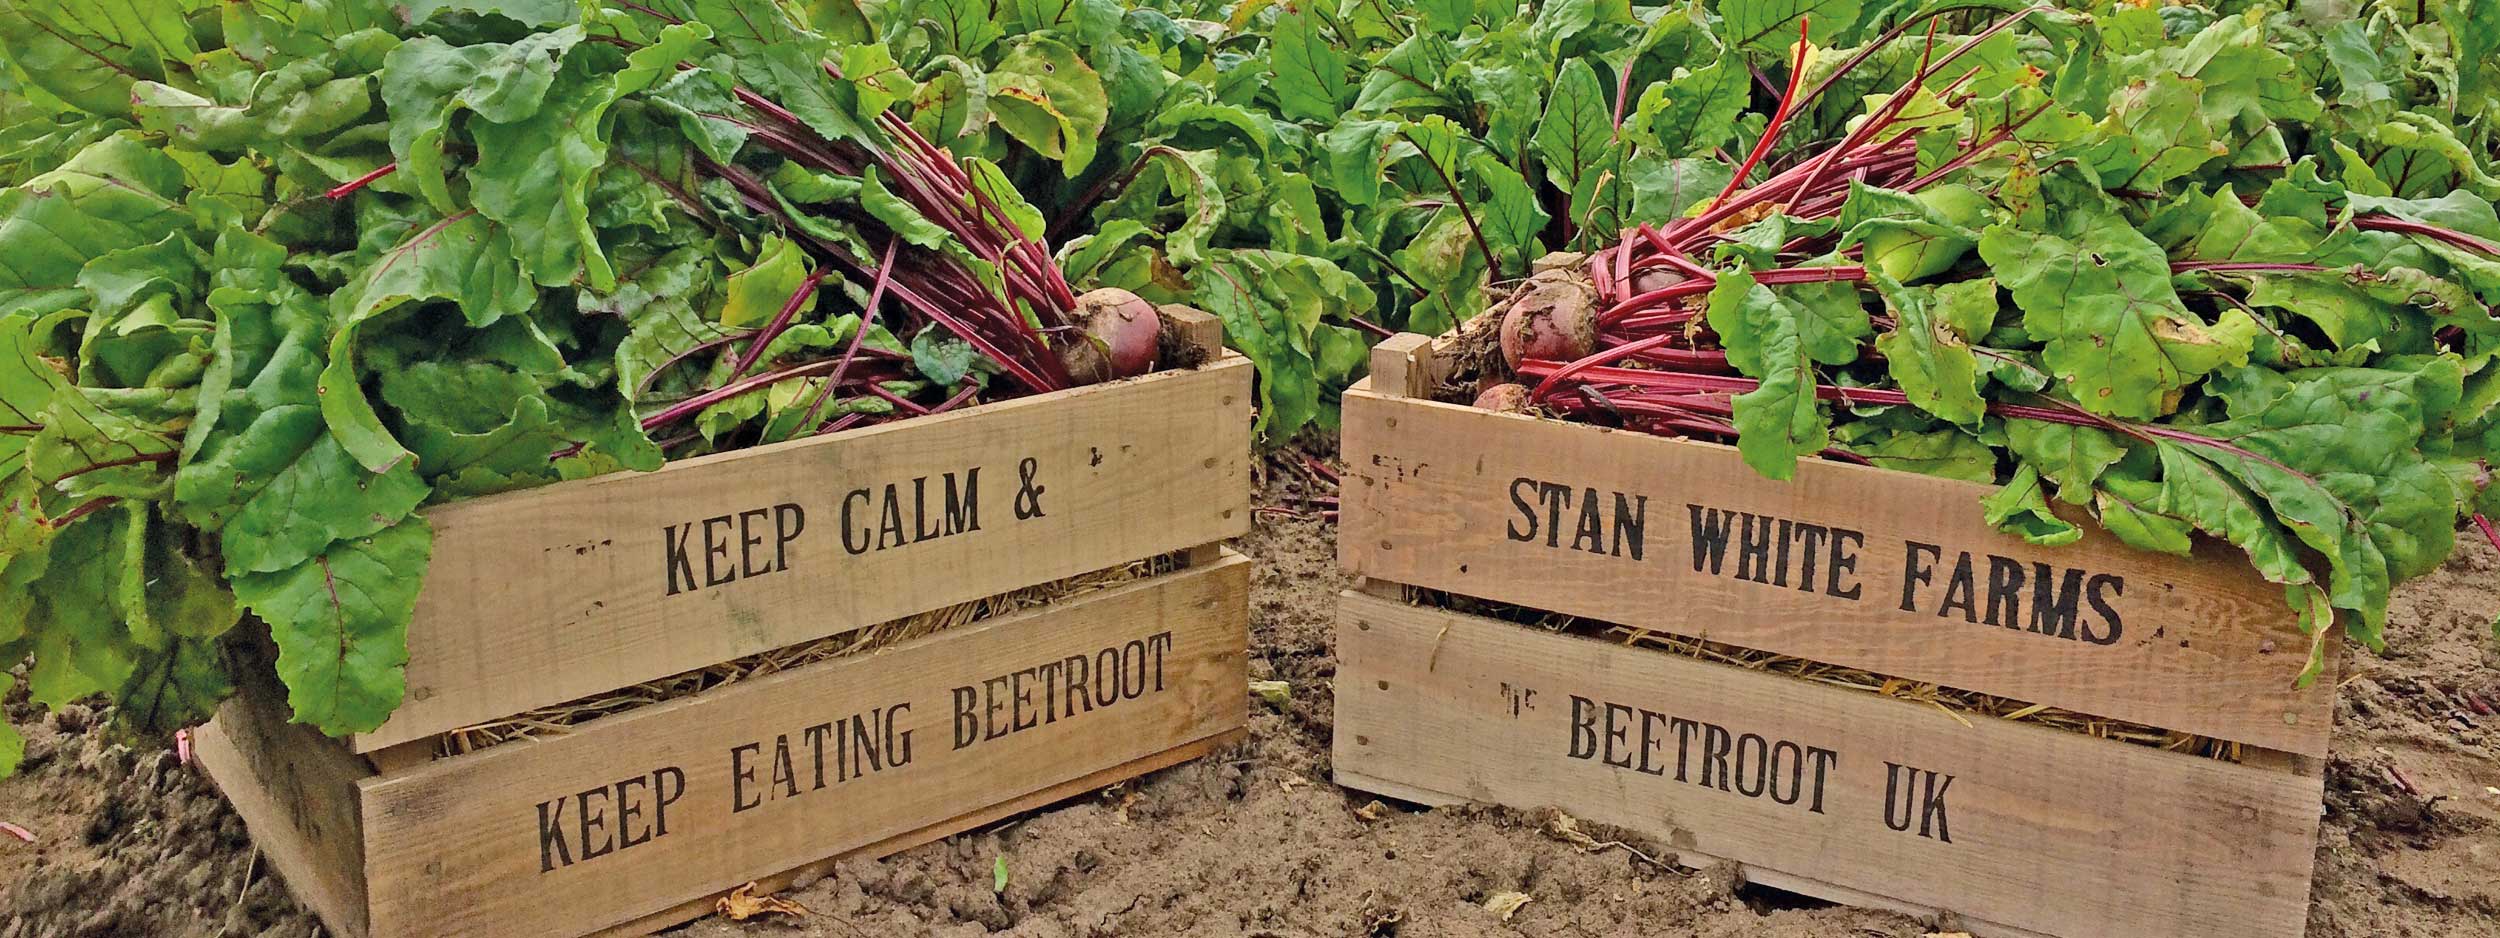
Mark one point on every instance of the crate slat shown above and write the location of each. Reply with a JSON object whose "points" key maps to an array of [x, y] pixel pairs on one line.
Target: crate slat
{"points": [[2029, 831], [1602, 523], [553, 594]]}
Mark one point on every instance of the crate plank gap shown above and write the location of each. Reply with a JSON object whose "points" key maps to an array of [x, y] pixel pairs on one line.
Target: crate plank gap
{"points": [[2005, 828], [639, 820]]}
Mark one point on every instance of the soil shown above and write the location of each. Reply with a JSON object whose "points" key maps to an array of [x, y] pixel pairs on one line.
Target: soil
{"points": [[1257, 842]]}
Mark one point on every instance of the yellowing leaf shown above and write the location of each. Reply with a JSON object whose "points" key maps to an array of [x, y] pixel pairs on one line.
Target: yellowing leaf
{"points": [[1506, 904], [742, 904]]}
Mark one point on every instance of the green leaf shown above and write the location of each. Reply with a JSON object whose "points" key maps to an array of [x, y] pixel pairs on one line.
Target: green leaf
{"points": [[1410, 74], [1272, 305], [1189, 176], [1949, 454], [2367, 93], [2020, 508], [265, 472], [1779, 421], [2071, 456], [81, 642], [964, 28], [88, 53], [657, 304], [2156, 131], [1312, 82], [1772, 25], [181, 677], [943, 359], [308, 498], [1508, 212], [757, 294], [463, 258], [113, 194], [299, 99], [898, 215], [479, 428], [1576, 139], [1926, 355], [1044, 95], [426, 81], [538, 13], [992, 182], [341, 625], [2116, 334], [1910, 237], [533, 175], [1355, 150], [1668, 189], [1692, 113]]}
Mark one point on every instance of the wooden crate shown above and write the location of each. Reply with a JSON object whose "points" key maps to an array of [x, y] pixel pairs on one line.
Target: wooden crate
{"points": [[553, 594], [2021, 830], [637, 821]]}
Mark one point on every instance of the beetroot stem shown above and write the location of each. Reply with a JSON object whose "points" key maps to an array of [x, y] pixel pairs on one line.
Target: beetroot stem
{"points": [[781, 322], [1779, 118], [344, 189]]}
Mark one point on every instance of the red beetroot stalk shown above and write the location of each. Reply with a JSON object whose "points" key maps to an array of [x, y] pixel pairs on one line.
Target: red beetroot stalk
{"points": [[2243, 268], [1779, 118], [692, 405], [344, 189], [781, 322], [898, 400], [867, 318], [2403, 226]]}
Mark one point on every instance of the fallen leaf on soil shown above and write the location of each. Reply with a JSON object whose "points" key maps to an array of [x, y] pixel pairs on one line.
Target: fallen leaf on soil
{"points": [[18, 832], [742, 904], [1373, 811], [1506, 904], [1276, 693], [1566, 828]]}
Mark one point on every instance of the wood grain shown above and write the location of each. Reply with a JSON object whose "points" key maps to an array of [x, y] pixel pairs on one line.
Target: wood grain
{"points": [[296, 792], [471, 826], [2205, 645], [553, 594], [2036, 831]]}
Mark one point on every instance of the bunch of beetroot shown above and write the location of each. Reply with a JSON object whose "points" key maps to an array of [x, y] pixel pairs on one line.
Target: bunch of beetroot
{"points": [[2086, 265]]}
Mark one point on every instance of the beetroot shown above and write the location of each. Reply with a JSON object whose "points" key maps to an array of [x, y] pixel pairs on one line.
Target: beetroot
{"points": [[1655, 278], [1552, 317], [1504, 398], [1116, 338]]}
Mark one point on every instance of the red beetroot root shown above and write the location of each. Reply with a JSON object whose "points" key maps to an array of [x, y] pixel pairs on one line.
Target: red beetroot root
{"points": [[1553, 316], [1504, 398], [1117, 332]]}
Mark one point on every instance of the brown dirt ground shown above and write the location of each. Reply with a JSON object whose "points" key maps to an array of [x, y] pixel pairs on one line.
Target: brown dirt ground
{"points": [[1256, 842]]}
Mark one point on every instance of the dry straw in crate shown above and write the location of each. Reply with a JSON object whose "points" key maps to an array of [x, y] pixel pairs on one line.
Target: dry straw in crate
{"points": [[563, 717]]}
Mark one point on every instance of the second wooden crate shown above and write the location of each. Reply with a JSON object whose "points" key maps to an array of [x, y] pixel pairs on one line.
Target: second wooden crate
{"points": [[1843, 572]]}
